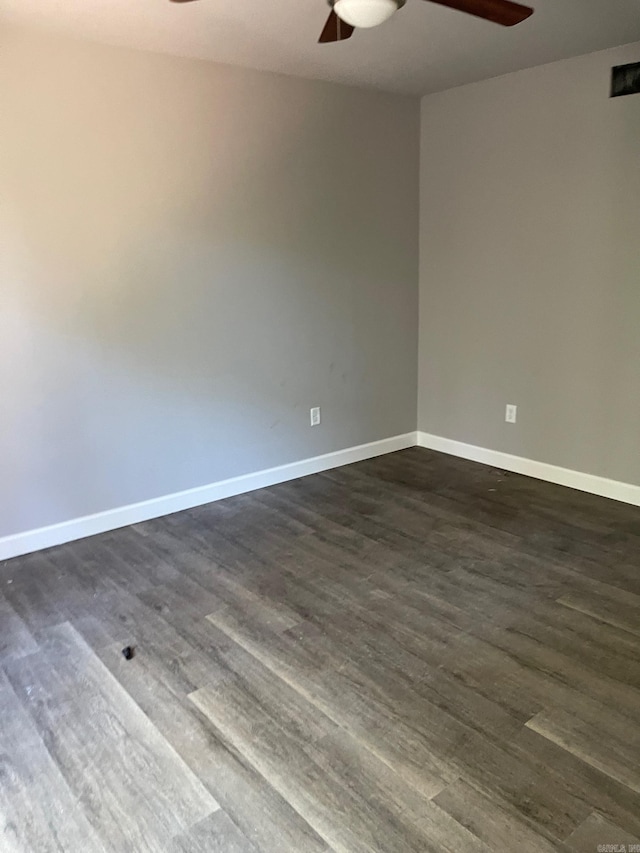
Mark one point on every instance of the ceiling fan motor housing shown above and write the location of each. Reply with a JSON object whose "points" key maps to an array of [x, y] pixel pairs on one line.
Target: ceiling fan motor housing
{"points": [[365, 13]]}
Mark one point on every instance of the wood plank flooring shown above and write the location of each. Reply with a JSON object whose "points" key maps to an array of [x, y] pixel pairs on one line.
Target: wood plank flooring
{"points": [[413, 653]]}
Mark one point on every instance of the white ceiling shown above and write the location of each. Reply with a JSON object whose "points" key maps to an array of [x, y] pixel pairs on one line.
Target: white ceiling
{"points": [[423, 48]]}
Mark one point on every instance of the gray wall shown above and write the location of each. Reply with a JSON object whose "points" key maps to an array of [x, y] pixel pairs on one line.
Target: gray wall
{"points": [[530, 266], [191, 256]]}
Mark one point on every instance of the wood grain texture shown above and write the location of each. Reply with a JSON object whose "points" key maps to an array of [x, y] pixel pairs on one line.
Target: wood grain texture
{"points": [[35, 800], [597, 833], [15, 638], [413, 653], [215, 834], [138, 790], [261, 814], [599, 737], [616, 607], [498, 825]]}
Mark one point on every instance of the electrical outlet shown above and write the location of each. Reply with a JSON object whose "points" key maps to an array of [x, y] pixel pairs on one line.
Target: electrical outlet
{"points": [[512, 414], [315, 416]]}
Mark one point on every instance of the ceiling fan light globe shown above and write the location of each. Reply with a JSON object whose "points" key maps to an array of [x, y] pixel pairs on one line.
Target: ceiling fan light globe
{"points": [[365, 13]]}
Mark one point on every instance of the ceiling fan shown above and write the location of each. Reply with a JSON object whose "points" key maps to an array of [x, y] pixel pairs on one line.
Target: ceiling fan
{"points": [[347, 15]]}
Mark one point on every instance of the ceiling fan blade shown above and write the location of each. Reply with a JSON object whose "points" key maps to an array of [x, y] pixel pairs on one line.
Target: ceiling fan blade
{"points": [[181, 1], [335, 30], [499, 11]]}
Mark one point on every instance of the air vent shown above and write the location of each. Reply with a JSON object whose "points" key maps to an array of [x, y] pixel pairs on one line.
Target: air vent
{"points": [[625, 80]]}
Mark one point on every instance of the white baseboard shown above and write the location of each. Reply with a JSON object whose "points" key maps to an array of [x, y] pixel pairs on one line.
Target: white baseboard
{"points": [[625, 492], [101, 522]]}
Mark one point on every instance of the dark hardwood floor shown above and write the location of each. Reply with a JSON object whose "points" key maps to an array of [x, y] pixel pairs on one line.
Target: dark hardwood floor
{"points": [[413, 653]]}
